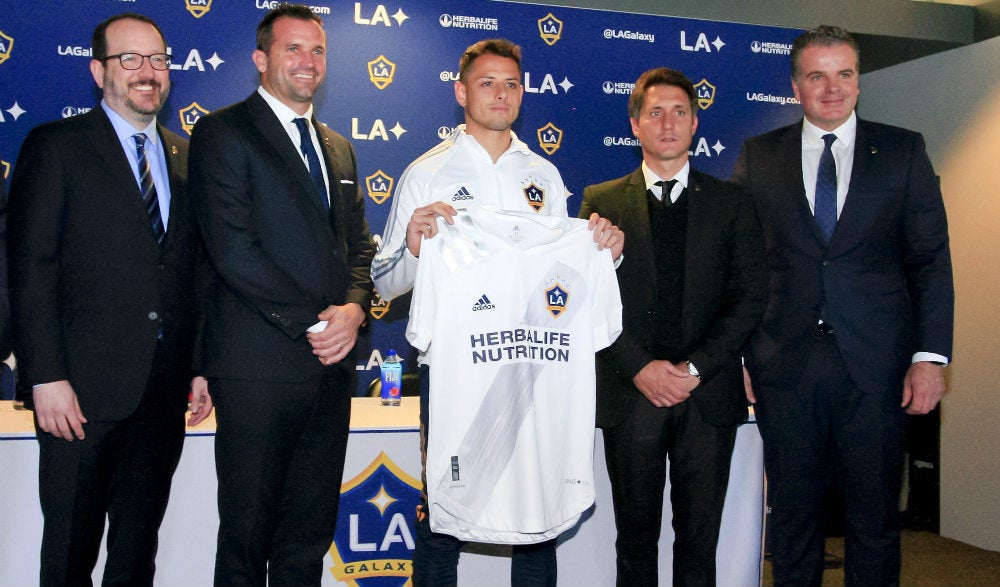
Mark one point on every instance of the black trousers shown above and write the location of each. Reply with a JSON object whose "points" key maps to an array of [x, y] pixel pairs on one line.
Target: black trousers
{"points": [[636, 452], [435, 556], [121, 470], [824, 421], [279, 457]]}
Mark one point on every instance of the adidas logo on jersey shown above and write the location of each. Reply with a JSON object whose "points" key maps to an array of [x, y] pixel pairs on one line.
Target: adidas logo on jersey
{"points": [[483, 303], [462, 194]]}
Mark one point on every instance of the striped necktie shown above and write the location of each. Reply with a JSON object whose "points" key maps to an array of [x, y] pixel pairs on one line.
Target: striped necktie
{"points": [[148, 189]]}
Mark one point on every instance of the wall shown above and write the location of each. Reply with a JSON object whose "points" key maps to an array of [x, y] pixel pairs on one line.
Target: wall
{"points": [[953, 99]]}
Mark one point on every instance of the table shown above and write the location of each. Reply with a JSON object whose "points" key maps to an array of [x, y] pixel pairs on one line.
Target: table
{"points": [[187, 536]]}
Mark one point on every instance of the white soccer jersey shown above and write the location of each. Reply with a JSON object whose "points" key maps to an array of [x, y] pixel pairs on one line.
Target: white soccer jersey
{"points": [[460, 172], [510, 309]]}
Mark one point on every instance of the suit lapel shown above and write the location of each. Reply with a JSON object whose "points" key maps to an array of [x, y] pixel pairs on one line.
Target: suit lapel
{"points": [[106, 145], [267, 124], [855, 212], [334, 176], [635, 223], [789, 179], [108, 148], [176, 173]]}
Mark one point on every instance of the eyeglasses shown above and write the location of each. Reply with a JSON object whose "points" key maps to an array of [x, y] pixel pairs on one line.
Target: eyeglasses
{"points": [[133, 61]]}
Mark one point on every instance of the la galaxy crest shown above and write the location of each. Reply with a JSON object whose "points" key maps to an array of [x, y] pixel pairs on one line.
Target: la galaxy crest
{"points": [[381, 72], [373, 542], [534, 195], [379, 186], [705, 92], [198, 8], [190, 115], [550, 29], [379, 307], [6, 46], [550, 138], [556, 299]]}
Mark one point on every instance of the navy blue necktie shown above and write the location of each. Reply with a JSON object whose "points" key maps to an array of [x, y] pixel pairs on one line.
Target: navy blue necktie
{"points": [[826, 189], [148, 189], [313, 160]]}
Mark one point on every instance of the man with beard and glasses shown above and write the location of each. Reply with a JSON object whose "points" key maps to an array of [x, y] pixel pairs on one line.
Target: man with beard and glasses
{"points": [[279, 204], [103, 261]]}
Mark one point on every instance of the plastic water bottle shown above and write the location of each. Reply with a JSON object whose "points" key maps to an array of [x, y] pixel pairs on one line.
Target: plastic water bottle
{"points": [[392, 379]]}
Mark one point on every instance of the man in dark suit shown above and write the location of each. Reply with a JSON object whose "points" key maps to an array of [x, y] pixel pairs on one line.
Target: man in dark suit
{"points": [[5, 334], [859, 320], [692, 291], [103, 257], [279, 205]]}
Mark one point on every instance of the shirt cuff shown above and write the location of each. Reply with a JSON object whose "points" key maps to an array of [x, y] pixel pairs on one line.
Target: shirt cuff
{"points": [[930, 357]]}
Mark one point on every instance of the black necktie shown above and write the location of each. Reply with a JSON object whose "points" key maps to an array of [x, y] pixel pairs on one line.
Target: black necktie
{"points": [[665, 188], [312, 159], [826, 189], [148, 189]]}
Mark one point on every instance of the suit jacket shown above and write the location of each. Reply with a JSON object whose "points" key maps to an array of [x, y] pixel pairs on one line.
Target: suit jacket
{"points": [[5, 334], [884, 281], [278, 260], [722, 301], [91, 290]]}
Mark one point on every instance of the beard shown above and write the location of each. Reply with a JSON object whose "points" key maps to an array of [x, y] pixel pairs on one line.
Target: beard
{"points": [[144, 108]]}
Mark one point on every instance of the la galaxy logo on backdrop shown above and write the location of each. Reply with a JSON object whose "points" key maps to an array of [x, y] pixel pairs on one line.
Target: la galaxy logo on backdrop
{"points": [[705, 93], [379, 186], [373, 543], [198, 8], [379, 17], [381, 71], [378, 307], [190, 115], [550, 138], [6, 46], [550, 29]]}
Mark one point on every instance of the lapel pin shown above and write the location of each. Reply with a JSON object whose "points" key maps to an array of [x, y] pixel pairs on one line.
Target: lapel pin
{"points": [[173, 149], [874, 149]]}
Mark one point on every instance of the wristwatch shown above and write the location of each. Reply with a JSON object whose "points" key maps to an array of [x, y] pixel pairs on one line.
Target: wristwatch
{"points": [[693, 370]]}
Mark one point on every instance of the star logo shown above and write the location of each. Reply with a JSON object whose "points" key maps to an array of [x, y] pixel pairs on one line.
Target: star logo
{"points": [[373, 542], [198, 8], [550, 29]]}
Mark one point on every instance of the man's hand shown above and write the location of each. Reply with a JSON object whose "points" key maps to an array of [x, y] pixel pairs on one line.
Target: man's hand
{"points": [[607, 235], [423, 224], [201, 402], [333, 343], [923, 387], [58, 411], [664, 383]]}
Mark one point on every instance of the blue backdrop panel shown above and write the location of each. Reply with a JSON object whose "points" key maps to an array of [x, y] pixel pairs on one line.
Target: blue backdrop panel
{"points": [[389, 86]]}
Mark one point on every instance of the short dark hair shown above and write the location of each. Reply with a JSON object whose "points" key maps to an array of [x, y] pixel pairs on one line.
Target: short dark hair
{"points": [[826, 36], [500, 47], [660, 76], [99, 42], [266, 26]]}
